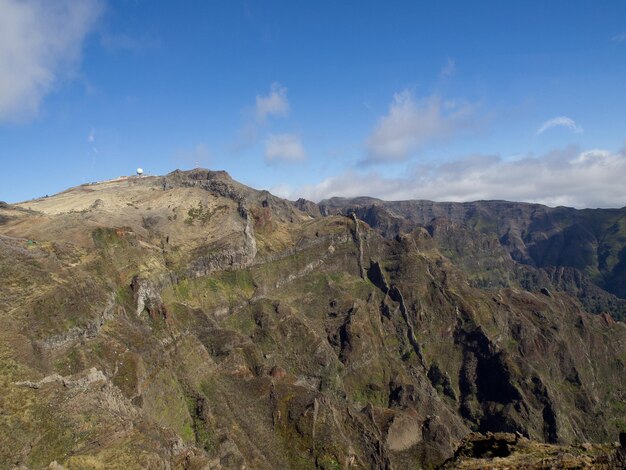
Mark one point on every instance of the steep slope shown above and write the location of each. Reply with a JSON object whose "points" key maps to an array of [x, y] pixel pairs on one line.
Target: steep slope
{"points": [[188, 321], [580, 251]]}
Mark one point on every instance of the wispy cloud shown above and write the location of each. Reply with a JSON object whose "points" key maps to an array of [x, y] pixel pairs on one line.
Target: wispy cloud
{"points": [[409, 124], [284, 148], [198, 156], [91, 140], [592, 178], [273, 104], [620, 37], [449, 68], [40, 45], [561, 121]]}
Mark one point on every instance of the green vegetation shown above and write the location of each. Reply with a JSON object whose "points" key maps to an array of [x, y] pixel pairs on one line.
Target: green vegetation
{"points": [[294, 361], [199, 214], [227, 288], [107, 237]]}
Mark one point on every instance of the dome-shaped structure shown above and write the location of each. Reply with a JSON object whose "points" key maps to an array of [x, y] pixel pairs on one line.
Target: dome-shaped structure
{"points": [[139, 171]]}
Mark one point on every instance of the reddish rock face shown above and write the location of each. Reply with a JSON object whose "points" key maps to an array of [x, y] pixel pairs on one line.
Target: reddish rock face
{"points": [[278, 372]]}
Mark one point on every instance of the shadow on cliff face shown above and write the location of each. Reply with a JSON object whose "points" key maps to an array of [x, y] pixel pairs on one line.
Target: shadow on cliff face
{"points": [[617, 282], [575, 246], [489, 397]]}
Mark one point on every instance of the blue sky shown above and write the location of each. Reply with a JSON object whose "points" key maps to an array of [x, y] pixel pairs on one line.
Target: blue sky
{"points": [[398, 99]]}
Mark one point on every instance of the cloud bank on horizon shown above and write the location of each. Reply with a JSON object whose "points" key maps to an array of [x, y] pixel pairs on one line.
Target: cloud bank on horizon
{"points": [[567, 177]]}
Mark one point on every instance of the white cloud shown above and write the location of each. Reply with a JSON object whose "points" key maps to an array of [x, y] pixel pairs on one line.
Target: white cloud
{"points": [[410, 124], [91, 138], [40, 44], [282, 190], [273, 104], [561, 121], [284, 147], [449, 68], [593, 178]]}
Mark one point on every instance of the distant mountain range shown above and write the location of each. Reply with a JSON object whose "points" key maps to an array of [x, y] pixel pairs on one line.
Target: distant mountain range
{"points": [[578, 250]]}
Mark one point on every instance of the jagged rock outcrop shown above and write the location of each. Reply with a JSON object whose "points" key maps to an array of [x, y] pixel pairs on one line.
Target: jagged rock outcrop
{"points": [[93, 375], [308, 207], [589, 242], [512, 451], [147, 298]]}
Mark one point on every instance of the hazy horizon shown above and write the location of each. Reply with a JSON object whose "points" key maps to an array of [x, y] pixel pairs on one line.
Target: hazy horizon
{"points": [[293, 199]]}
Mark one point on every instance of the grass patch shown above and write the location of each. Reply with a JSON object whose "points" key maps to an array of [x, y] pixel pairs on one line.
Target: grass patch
{"points": [[199, 214], [220, 289]]}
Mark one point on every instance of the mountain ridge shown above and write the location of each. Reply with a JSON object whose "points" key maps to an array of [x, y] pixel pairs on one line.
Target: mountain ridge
{"points": [[590, 240], [192, 322]]}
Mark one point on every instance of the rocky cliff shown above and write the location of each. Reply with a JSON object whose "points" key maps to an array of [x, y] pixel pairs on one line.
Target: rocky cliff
{"points": [[188, 321], [581, 251]]}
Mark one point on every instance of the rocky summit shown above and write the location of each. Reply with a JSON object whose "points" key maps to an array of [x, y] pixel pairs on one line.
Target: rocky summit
{"points": [[190, 322]]}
